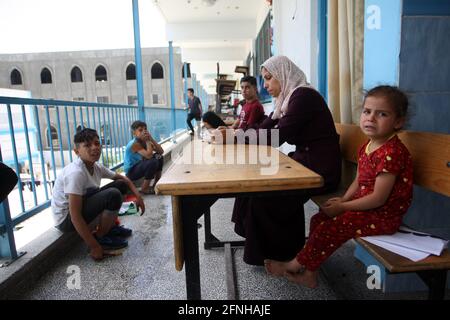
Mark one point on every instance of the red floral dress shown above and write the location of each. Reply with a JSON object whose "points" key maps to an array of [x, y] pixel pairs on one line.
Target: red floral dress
{"points": [[327, 234]]}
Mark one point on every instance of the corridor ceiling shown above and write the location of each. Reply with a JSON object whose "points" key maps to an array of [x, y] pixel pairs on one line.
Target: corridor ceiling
{"points": [[209, 31]]}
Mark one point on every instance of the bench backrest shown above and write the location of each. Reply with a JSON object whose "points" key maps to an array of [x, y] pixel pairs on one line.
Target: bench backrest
{"points": [[430, 153]]}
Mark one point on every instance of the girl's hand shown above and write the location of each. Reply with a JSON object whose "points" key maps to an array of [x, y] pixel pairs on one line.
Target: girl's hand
{"points": [[333, 209], [333, 200]]}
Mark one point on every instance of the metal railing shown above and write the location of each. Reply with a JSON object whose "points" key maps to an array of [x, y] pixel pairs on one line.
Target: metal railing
{"points": [[36, 142]]}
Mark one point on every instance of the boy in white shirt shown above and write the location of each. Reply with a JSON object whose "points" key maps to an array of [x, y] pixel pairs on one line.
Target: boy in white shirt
{"points": [[77, 199]]}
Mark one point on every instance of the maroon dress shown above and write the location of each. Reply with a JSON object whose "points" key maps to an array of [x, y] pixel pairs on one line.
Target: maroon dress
{"points": [[274, 226], [328, 234]]}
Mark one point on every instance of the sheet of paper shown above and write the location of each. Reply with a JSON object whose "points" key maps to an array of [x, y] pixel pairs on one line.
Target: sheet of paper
{"points": [[408, 240], [411, 254], [410, 243]]}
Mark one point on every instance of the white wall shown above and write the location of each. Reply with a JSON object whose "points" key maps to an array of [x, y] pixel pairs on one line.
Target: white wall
{"points": [[295, 33]]}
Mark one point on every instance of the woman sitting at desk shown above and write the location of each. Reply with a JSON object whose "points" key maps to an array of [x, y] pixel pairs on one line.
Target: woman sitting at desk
{"points": [[274, 226]]}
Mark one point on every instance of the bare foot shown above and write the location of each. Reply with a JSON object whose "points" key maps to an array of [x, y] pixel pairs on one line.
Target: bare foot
{"points": [[148, 190], [279, 268], [306, 278]]}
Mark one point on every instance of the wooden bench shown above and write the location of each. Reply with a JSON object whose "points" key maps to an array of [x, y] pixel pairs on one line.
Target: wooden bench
{"points": [[431, 160]]}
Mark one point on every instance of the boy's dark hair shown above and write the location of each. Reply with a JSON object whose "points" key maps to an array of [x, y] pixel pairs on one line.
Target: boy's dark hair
{"points": [[137, 124], [191, 90], [249, 79], [395, 97], [213, 119], [85, 135]]}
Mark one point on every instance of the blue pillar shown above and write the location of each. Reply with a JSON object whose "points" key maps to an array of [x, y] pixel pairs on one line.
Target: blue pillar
{"points": [[382, 34], [138, 58], [172, 87], [382, 39], [204, 103], [322, 30]]}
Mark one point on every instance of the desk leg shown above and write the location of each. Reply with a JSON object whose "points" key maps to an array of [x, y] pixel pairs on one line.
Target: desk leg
{"points": [[209, 237], [211, 240], [191, 257], [192, 208]]}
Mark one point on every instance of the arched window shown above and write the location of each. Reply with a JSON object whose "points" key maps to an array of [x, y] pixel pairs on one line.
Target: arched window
{"points": [[52, 137], [46, 76], [76, 75], [131, 72], [100, 74], [157, 71], [16, 77]]}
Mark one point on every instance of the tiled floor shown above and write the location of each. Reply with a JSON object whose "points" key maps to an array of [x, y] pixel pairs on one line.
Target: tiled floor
{"points": [[146, 268]]}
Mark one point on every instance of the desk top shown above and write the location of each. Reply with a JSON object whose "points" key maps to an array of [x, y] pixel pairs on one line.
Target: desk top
{"points": [[204, 168]]}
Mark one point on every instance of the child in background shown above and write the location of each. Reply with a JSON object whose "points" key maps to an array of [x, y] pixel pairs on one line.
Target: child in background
{"points": [[143, 157], [212, 121], [375, 202], [252, 112], [77, 199]]}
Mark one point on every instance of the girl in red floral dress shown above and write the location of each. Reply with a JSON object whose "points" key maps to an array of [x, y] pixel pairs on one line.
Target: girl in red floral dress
{"points": [[375, 202]]}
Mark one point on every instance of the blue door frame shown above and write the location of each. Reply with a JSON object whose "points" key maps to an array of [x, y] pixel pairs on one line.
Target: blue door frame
{"points": [[323, 48]]}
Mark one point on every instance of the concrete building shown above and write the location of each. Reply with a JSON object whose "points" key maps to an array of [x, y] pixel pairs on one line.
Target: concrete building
{"points": [[105, 76]]}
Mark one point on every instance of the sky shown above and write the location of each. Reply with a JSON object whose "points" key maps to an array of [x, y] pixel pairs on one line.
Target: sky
{"points": [[72, 25]]}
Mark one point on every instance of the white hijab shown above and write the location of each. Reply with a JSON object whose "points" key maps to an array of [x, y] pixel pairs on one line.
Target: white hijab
{"points": [[290, 77]]}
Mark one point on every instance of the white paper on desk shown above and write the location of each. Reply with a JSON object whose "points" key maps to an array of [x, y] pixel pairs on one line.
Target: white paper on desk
{"points": [[125, 206], [414, 255]]}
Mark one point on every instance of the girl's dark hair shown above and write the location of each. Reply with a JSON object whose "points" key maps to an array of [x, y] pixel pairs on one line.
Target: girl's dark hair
{"points": [[213, 119], [85, 135], [138, 124], [395, 97]]}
